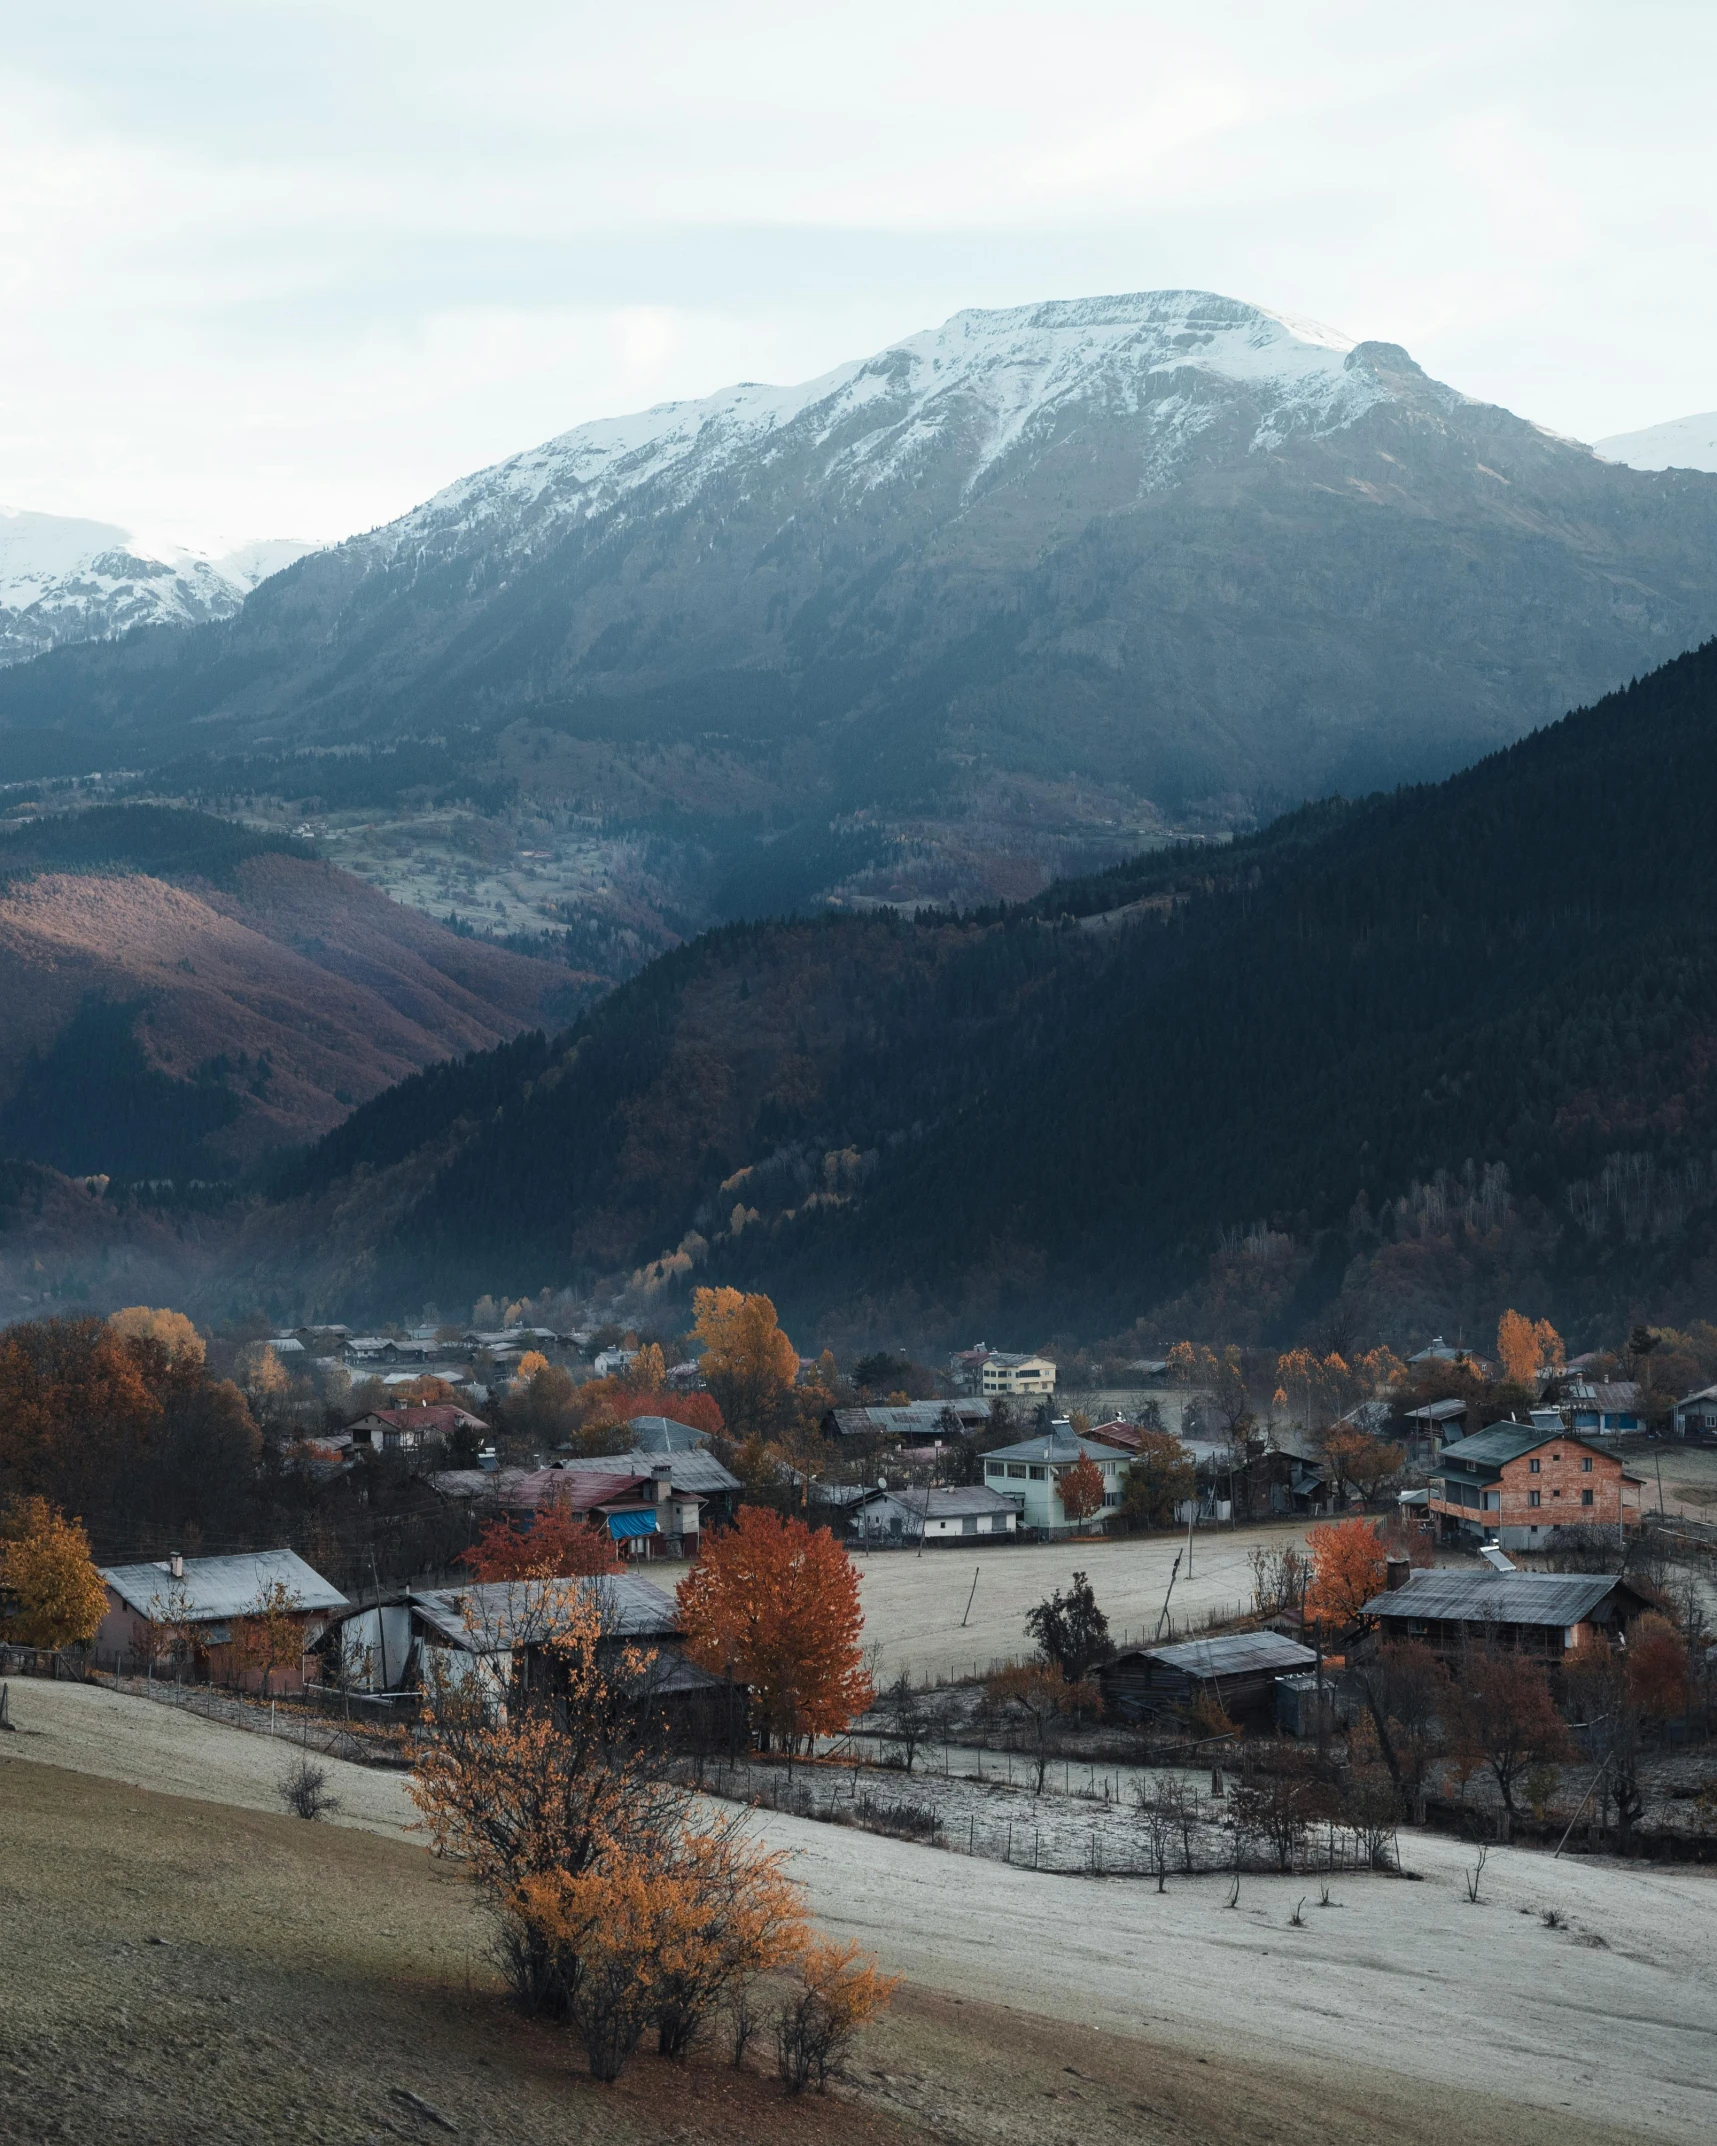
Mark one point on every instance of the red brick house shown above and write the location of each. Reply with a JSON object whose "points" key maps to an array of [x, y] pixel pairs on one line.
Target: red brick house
{"points": [[1517, 1483]]}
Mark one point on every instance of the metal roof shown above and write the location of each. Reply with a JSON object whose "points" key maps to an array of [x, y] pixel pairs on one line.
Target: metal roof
{"points": [[1233, 1654], [1499, 1442], [503, 1614], [952, 1503], [893, 1422], [1546, 1598], [689, 1472], [219, 1587], [1061, 1450], [1437, 1411], [575, 1492], [663, 1434]]}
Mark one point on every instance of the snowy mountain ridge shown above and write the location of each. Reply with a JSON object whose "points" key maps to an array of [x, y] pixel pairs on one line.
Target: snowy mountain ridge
{"points": [[1678, 443], [65, 578], [992, 380]]}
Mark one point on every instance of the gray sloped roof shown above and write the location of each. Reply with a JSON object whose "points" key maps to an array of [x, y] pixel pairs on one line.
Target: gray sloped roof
{"points": [[689, 1472], [1499, 1442], [1063, 1451], [1547, 1598], [219, 1587], [1233, 1654], [502, 1614], [665, 1434], [952, 1503]]}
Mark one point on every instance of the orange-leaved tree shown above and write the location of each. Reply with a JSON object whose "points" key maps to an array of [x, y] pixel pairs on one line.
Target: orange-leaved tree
{"points": [[1348, 1569], [270, 1634], [1525, 1347], [775, 1605], [51, 1595], [1080, 1489], [748, 1363], [663, 1932], [840, 1989], [559, 1545]]}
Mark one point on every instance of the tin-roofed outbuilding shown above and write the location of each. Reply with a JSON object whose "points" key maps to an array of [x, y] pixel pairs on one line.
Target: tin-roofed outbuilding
{"points": [[1235, 1670], [1546, 1613]]}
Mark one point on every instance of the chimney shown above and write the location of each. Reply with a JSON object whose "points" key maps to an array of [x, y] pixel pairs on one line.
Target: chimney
{"points": [[662, 1475], [1397, 1571], [176, 1565]]}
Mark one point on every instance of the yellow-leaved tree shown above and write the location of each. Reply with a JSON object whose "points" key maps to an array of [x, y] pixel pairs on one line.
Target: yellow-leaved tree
{"points": [[51, 1594], [1527, 1346], [176, 1337], [748, 1363]]}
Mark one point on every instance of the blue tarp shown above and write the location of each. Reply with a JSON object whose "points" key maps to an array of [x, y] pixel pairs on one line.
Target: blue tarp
{"points": [[623, 1526]]}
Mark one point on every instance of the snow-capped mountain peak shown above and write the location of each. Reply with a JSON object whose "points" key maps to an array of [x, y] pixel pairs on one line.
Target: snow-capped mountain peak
{"points": [[992, 381], [67, 578]]}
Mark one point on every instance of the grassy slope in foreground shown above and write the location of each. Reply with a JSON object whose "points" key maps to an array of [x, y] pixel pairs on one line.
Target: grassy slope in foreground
{"points": [[309, 1970]]}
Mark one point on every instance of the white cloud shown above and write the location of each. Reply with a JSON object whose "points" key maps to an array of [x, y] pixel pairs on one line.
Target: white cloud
{"points": [[290, 266]]}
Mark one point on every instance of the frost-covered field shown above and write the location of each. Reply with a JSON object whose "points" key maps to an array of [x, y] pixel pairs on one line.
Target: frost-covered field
{"points": [[913, 1605], [1608, 2020]]}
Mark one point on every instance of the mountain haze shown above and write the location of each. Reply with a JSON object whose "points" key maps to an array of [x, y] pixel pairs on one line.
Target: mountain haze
{"points": [[1166, 554]]}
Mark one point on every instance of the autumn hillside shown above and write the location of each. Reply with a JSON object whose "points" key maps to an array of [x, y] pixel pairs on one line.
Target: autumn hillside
{"points": [[181, 999]]}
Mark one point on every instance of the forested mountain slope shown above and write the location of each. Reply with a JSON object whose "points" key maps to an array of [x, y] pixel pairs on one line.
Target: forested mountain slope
{"points": [[1164, 553], [1238, 1073], [179, 997]]}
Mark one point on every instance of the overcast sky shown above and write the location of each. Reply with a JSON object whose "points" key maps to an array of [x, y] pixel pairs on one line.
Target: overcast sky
{"points": [[280, 267]]}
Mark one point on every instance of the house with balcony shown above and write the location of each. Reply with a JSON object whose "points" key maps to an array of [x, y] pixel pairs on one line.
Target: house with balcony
{"points": [[1031, 1471], [1516, 1483]]}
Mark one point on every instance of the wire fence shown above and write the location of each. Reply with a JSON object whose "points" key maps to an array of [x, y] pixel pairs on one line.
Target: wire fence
{"points": [[1161, 1829]]}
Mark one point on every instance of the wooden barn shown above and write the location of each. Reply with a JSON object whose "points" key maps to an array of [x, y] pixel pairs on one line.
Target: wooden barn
{"points": [[1236, 1671]]}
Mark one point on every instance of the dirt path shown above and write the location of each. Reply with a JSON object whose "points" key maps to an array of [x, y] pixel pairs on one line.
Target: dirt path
{"points": [[914, 1604]]}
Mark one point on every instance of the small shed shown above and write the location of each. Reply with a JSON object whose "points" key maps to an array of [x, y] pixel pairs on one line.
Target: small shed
{"points": [[1237, 1670]]}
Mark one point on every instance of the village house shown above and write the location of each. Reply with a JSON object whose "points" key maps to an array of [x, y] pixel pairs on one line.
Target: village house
{"points": [[411, 1427], [1543, 1613], [1235, 1674], [1696, 1414], [1429, 1428], [957, 1514], [1519, 1481], [1602, 1408], [1016, 1375], [642, 1513], [501, 1634], [692, 1474], [1031, 1471], [190, 1614]]}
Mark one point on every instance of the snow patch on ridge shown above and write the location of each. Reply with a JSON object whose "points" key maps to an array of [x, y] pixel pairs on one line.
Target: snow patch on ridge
{"points": [[993, 381], [65, 578]]}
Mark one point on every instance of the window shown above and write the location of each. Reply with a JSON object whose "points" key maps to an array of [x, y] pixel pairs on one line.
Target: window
{"points": [[1111, 1497], [1534, 1496], [1037, 1475], [1585, 1497], [1016, 1468], [1586, 1465], [994, 1467], [969, 1524], [1533, 1467], [1555, 1493]]}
